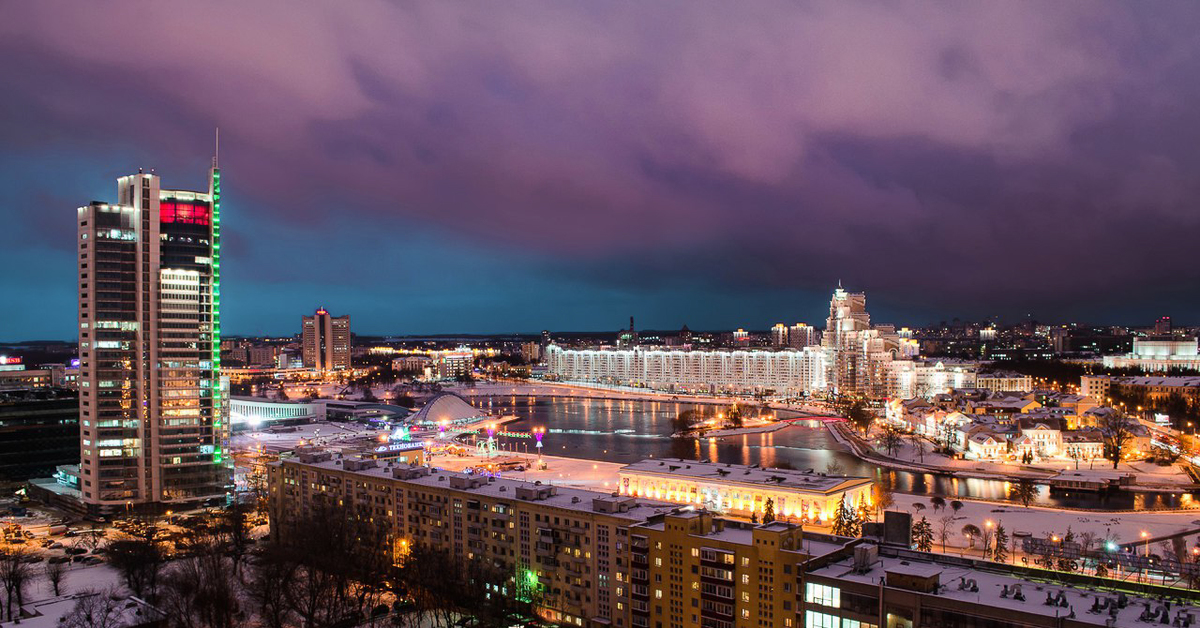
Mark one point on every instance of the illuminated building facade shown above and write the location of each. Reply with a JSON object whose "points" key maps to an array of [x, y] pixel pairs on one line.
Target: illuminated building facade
{"points": [[741, 490], [906, 379], [1158, 355], [786, 371], [153, 406], [852, 358], [325, 341]]}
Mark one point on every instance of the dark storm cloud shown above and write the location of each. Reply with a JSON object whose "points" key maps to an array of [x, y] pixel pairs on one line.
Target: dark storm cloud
{"points": [[951, 158]]}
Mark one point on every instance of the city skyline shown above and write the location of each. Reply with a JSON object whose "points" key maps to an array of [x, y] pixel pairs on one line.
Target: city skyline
{"points": [[988, 160]]}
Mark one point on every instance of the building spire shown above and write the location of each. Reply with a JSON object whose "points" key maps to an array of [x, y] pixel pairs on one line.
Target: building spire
{"points": [[217, 147]]}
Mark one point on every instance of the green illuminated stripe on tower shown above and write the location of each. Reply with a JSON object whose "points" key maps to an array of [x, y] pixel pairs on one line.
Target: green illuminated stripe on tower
{"points": [[217, 396]]}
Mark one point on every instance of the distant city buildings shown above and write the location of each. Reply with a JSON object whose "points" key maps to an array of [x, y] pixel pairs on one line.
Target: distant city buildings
{"points": [[325, 341], [1162, 327], [852, 357], [456, 364], [153, 427]]}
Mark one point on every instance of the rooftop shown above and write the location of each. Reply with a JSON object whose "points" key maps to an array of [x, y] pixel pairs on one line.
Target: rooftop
{"points": [[503, 488], [731, 473], [995, 587]]}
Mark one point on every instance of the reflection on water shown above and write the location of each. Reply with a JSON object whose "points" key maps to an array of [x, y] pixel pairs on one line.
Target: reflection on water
{"points": [[622, 430]]}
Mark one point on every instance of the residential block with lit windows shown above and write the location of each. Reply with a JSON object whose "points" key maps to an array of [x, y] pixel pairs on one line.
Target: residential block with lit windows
{"points": [[610, 560]]}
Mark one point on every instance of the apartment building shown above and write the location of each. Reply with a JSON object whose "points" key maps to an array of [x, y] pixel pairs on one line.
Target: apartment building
{"points": [[573, 542], [689, 568]]}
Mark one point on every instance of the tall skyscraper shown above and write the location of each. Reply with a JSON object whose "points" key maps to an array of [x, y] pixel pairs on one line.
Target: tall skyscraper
{"points": [[325, 341], [153, 407], [844, 328]]}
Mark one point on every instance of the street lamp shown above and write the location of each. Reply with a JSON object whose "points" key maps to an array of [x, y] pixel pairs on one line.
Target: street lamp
{"points": [[1146, 542]]}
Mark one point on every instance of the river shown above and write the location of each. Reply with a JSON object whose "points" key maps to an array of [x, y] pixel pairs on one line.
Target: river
{"points": [[623, 430]]}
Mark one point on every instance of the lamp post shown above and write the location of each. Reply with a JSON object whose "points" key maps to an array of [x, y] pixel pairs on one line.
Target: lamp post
{"points": [[538, 433]]}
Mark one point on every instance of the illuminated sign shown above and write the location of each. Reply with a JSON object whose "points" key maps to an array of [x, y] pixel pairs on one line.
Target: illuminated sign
{"points": [[4, 359], [185, 213], [408, 446]]}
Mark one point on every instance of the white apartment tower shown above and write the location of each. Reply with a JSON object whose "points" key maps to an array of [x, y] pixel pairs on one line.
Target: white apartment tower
{"points": [[325, 341], [153, 407], [843, 339]]}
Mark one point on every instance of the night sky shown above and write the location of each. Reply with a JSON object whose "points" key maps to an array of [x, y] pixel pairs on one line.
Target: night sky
{"points": [[511, 166]]}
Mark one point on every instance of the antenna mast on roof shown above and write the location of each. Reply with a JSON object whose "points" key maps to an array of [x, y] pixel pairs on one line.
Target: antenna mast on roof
{"points": [[217, 147]]}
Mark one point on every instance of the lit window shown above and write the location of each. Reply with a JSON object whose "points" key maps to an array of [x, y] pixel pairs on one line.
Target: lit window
{"points": [[823, 594]]}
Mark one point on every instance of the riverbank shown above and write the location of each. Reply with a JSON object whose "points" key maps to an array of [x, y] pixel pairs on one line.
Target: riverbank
{"points": [[909, 458]]}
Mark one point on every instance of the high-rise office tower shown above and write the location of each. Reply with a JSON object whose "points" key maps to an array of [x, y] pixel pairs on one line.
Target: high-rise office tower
{"points": [[153, 428], [325, 341]]}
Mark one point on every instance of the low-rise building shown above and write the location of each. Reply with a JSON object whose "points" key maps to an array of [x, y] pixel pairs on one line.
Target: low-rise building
{"points": [[804, 496], [252, 413], [1004, 381]]}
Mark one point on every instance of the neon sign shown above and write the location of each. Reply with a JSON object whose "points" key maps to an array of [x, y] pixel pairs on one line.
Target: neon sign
{"points": [[403, 446]]}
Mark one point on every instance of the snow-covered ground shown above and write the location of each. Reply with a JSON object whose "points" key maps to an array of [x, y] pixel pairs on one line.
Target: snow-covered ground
{"points": [[1124, 527], [1147, 475]]}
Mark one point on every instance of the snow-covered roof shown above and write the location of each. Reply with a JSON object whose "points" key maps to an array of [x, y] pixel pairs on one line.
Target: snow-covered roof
{"points": [[806, 481]]}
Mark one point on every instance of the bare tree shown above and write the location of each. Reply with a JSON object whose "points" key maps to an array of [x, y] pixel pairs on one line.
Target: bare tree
{"points": [[338, 560], [918, 444], [1116, 433], [139, 559], [946, 529], [15, 574], [198, 591], [985, 538], [95, 610], [268, 586], [835, 468], [891, 439], [55, 572], [235, 534]]}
